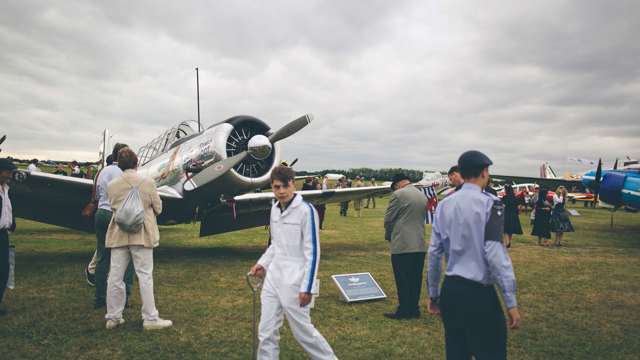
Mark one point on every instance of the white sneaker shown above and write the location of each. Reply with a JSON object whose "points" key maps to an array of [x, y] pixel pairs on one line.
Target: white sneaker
{"points": [[157, 324], [112, 324]]}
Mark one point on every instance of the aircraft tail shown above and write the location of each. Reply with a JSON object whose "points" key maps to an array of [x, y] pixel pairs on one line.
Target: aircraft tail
{"points": [[547, 172]]}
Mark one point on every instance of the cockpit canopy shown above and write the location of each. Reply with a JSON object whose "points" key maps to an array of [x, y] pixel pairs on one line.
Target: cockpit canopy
{"points": [[163, 142]]}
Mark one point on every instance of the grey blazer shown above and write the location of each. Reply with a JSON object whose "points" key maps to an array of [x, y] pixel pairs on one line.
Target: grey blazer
{"points": [[404, 221]]}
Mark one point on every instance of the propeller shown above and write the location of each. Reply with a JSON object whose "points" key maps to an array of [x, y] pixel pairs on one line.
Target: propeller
{"points": [[218, 169], [2, 139], [286, 163], [214, 171], [291, 128], [615, 165], [598, 179]]}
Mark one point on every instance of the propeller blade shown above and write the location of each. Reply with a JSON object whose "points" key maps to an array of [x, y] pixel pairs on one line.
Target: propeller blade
{"points": [[293, 162], [291, 128], [214, 171], [597, 180], [615, 165], [3, 138]]}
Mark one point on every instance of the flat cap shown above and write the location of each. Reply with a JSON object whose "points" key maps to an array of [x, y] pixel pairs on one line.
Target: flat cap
{"points": [[473, 159]]}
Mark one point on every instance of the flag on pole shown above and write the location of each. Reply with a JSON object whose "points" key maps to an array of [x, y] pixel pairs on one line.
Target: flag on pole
{"points": [[432, 202]]}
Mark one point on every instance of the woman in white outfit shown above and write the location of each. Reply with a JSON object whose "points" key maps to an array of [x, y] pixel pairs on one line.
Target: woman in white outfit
{"points": [[137, 246]]}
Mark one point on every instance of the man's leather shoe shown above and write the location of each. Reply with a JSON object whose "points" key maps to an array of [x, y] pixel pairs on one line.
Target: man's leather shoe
{"points": [[397, 316]]}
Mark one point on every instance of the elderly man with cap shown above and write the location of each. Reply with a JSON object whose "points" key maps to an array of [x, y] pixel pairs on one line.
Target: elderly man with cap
{"points": [[467, 232], [404, 223], [7, 224]]}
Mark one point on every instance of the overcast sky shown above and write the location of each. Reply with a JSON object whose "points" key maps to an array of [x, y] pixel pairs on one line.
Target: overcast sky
{"points": [[390, 83]]}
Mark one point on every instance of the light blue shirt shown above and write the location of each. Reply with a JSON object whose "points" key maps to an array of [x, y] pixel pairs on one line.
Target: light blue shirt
{"points": [[106, 175], [459, 229]]}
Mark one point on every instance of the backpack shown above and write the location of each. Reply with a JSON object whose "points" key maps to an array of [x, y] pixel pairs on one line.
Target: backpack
{"points": [[130, 216]]}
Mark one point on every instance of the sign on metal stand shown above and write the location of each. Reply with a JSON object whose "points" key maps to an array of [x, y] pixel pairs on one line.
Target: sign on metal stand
{"points": [[358, 287]]}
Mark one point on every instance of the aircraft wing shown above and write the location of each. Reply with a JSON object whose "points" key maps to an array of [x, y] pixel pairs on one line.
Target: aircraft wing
{"points": [[57, 200], [252, 210], [549, 182]]}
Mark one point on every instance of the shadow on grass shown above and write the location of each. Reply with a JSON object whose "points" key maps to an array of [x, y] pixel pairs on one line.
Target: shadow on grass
{"points": [[174, 252]]}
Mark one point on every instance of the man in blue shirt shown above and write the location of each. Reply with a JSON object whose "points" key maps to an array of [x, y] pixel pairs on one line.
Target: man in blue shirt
{"points": [[102, 219], [467, 232]]}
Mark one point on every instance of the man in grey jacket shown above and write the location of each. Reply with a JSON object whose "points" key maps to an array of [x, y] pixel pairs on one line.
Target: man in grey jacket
{"points": [[404, 223]]}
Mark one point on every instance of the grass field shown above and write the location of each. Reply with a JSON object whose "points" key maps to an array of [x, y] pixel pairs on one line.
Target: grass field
{"points": [[578, 302]]}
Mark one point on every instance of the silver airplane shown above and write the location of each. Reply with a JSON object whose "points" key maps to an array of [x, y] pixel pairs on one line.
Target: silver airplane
{"points": [[210, 176]]}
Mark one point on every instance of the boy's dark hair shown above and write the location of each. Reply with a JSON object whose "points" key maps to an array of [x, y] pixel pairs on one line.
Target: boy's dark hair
{"points": [[283, 173], [109, 159], [453, 169], [470, 172], [127, 159], [34, 161], [116, 149]]}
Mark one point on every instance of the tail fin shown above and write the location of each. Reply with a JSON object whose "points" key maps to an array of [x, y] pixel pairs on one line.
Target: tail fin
{"points": [[547, 172]]}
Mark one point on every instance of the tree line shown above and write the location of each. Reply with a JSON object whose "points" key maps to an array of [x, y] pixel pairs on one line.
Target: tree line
{"points": [[385, 174]]}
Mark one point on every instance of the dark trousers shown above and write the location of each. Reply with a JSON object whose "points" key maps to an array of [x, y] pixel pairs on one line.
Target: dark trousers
{"points": [[474, 323], [344, 207], [371, 199], [4, 262], [103, 257], [407, 270], [321, 210]]}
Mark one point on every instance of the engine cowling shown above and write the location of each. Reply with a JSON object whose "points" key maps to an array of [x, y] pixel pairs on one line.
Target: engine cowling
{"points": [[611, 188], [238, 134]]}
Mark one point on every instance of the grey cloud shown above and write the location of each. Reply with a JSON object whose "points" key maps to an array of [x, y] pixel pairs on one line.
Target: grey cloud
{"points": [[408, 83]]}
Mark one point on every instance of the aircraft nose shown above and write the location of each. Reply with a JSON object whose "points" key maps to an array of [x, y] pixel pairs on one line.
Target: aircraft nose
{"points": [[259, 147]]}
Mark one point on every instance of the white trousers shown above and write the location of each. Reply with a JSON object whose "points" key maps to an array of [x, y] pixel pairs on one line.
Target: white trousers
{"points": [[116, 290], [281, 301]]}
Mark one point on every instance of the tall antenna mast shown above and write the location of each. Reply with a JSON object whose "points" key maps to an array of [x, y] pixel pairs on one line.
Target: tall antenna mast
{"points": [[198, 97]]}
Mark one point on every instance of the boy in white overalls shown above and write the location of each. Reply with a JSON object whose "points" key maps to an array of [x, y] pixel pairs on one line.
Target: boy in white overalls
{"points": [[291, 267]]}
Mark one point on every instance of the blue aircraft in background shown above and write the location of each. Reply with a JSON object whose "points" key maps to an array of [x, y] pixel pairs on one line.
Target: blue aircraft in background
{"points": [[616, 187]]}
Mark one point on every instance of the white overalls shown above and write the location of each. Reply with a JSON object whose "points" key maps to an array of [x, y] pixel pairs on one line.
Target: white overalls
{"points": [[291, 262]]}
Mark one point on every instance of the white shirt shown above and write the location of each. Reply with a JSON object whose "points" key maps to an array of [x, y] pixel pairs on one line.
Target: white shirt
{"points": [[6, 219], [32, 168], [557, 200], [106, 175]]}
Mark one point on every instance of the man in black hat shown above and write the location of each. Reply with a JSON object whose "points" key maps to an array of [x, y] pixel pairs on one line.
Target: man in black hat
{"points": [[404, 223], [7, 224], [467, 232]]}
